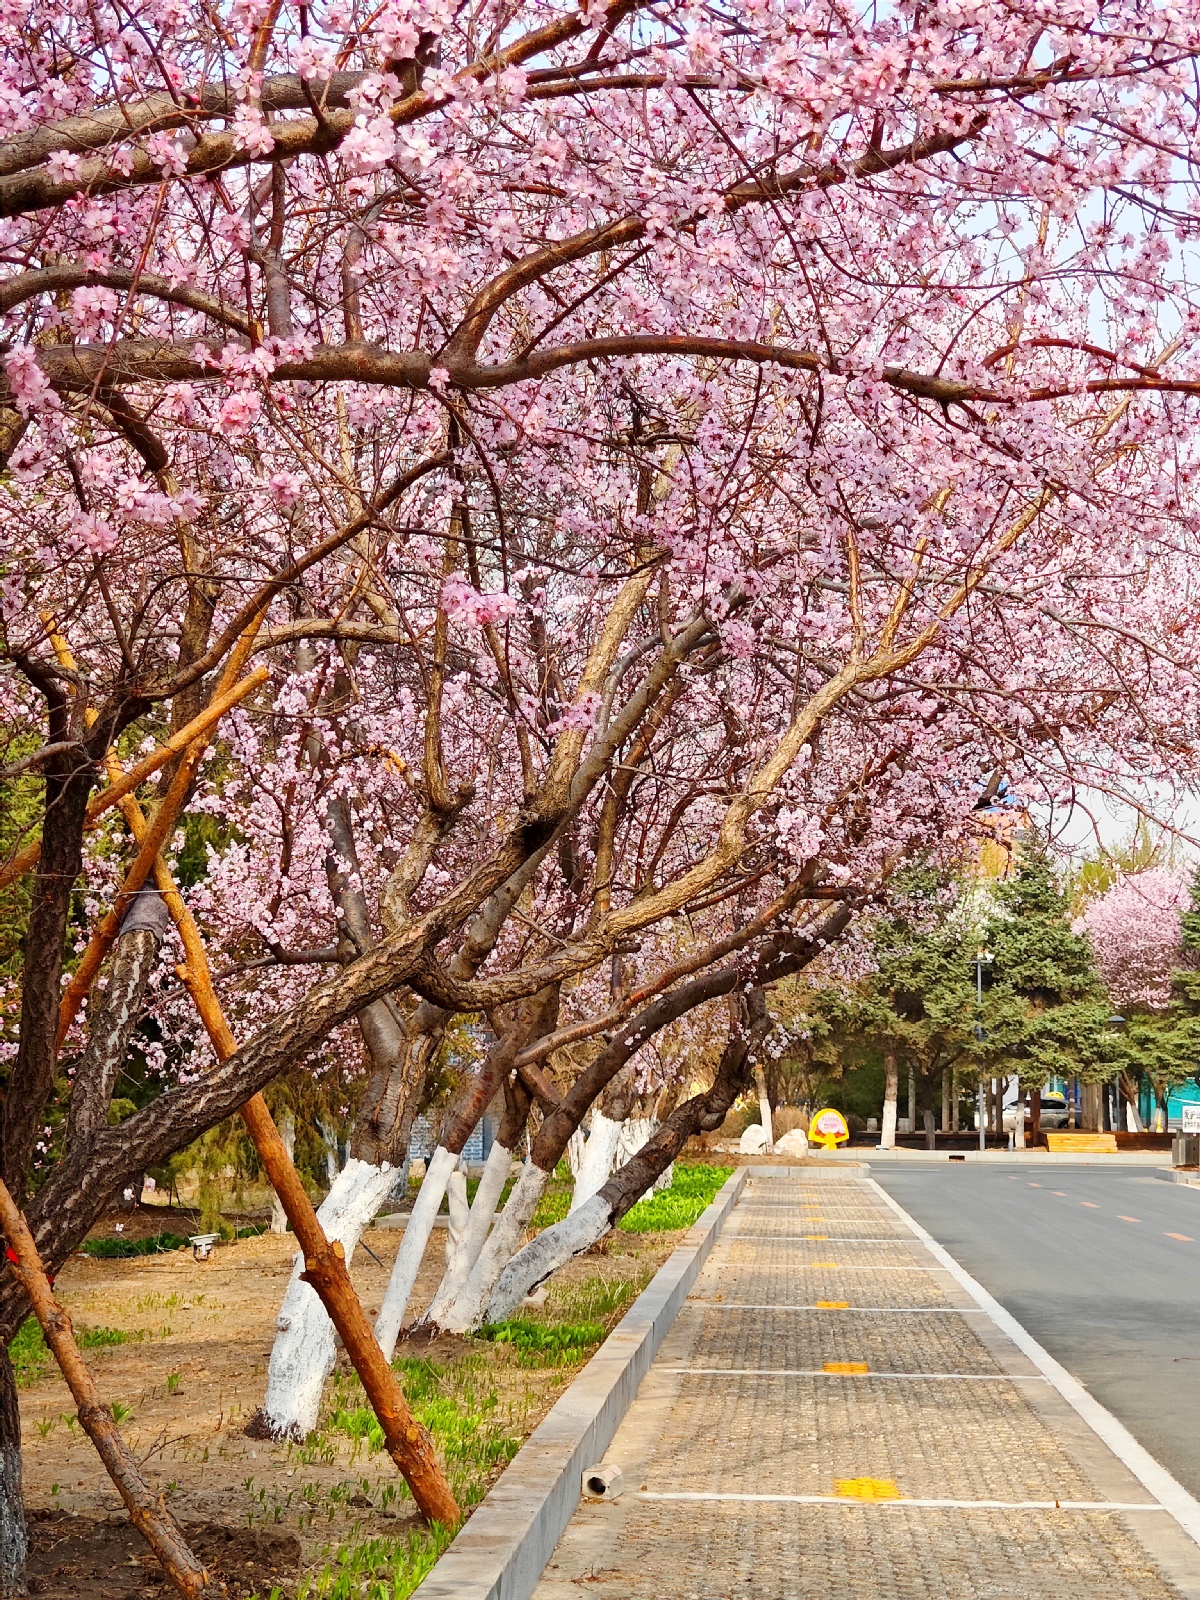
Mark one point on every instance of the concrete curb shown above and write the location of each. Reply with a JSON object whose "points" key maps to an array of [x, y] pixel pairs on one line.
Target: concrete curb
{"points": [[1190, 1177], [501, 1552]]}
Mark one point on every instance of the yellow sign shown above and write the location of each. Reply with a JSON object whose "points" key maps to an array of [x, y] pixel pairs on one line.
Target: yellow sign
{"points": [[828, 1128]]}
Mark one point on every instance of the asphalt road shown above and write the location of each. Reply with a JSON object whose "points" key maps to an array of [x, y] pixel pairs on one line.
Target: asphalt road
{"points": [[1101, 1265]]}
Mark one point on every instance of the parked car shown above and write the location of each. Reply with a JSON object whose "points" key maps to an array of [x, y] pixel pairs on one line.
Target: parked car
{"points": [[1055, 1112]]}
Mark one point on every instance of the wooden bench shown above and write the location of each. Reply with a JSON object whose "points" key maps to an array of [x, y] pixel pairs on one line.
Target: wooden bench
{"points": [[1092, 1144]]}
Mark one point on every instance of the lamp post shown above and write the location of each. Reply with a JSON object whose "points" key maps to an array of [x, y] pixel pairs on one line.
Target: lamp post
{"points": [[983, 958], [1115, 1022]]}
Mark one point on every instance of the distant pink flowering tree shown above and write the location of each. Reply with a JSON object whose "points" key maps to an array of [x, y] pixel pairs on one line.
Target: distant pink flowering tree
{"points": [[1135, 932]]}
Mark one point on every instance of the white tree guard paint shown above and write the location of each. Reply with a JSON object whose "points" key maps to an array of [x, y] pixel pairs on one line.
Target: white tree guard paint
{"points": [[576, 1145], [596, 1167], [891, 1090], [635, 1132], [287, 1135], [412, 1247], [552, 1248], [456, 1192], [304, 1350], [466, 1313], [764, 1107], [495, 1171], [329, 1139]]}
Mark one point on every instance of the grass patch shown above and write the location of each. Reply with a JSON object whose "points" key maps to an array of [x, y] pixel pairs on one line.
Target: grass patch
{"points": [[121, 1249], [553, 1206], [377, 1569], [690, 1194], [545, 1344], [459, 1405], [461, 1409], [30, 1354], [595, 1299]]}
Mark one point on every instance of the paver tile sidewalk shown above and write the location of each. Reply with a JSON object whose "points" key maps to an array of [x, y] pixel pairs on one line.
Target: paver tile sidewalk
{"points": [[832, 1417]]}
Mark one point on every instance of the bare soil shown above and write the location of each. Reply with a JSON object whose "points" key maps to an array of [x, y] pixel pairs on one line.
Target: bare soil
{"points": [[186, 1384]]}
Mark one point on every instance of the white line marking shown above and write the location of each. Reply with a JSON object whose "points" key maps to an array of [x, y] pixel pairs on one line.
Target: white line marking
{"points": [[834, 1238], [837, 1266], [874, 1311], [1167, 1491], [820, 1372], [902, 1503]]}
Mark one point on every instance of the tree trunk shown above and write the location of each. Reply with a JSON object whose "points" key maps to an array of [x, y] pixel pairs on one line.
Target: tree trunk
{"points": [[305, 1348], [955, 1114], [946, 1076], [13, 1539], [1128, 1090], [912, 1101], [576, 1145], [495, 1173], [764, 1107], [146, 1511], [287, 1132], [1019, 1122], [598, 1154], [638, 1131], [31, 1075], [496, 1168], [558, 1244], [456, 1195], [467, 1310], [114, 1015], [1035, 1117], [1091, 1107], [329, 1141], [891, 1092]]}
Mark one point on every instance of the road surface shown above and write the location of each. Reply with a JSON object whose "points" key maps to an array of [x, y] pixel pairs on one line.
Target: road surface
{"points": [[1100, 1264]]}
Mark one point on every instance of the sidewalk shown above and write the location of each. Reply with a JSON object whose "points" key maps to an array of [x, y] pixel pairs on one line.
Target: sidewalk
{"points": [[832, 1416]]}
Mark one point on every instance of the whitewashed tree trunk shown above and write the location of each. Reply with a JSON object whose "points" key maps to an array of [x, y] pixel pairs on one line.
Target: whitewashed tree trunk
{"points": [[456, 1193], [329, 1139], [576, 1145], [304, 1351], [634, 1134], [891, 1092], [495, 1171], [764, 1107], [596, 1167], [287, 1133], [469, 1305], [552, 1248], [412, 1248]]}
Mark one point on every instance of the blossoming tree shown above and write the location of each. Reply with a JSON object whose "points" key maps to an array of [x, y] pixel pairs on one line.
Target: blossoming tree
{"points": [[667, 463]]}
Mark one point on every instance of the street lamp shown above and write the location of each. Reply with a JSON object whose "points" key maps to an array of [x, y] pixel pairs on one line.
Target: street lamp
{"points": [[983, 958], [1114, 1115]]}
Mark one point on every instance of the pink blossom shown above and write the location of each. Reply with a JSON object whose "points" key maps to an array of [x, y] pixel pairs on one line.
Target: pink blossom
{"points": [[239, 412], [465, 604], [63, 166], [30, 389], [1135, 933]]}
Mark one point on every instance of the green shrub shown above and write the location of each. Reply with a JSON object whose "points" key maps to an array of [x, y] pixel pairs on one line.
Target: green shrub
{"points": [[120, 1249]]}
